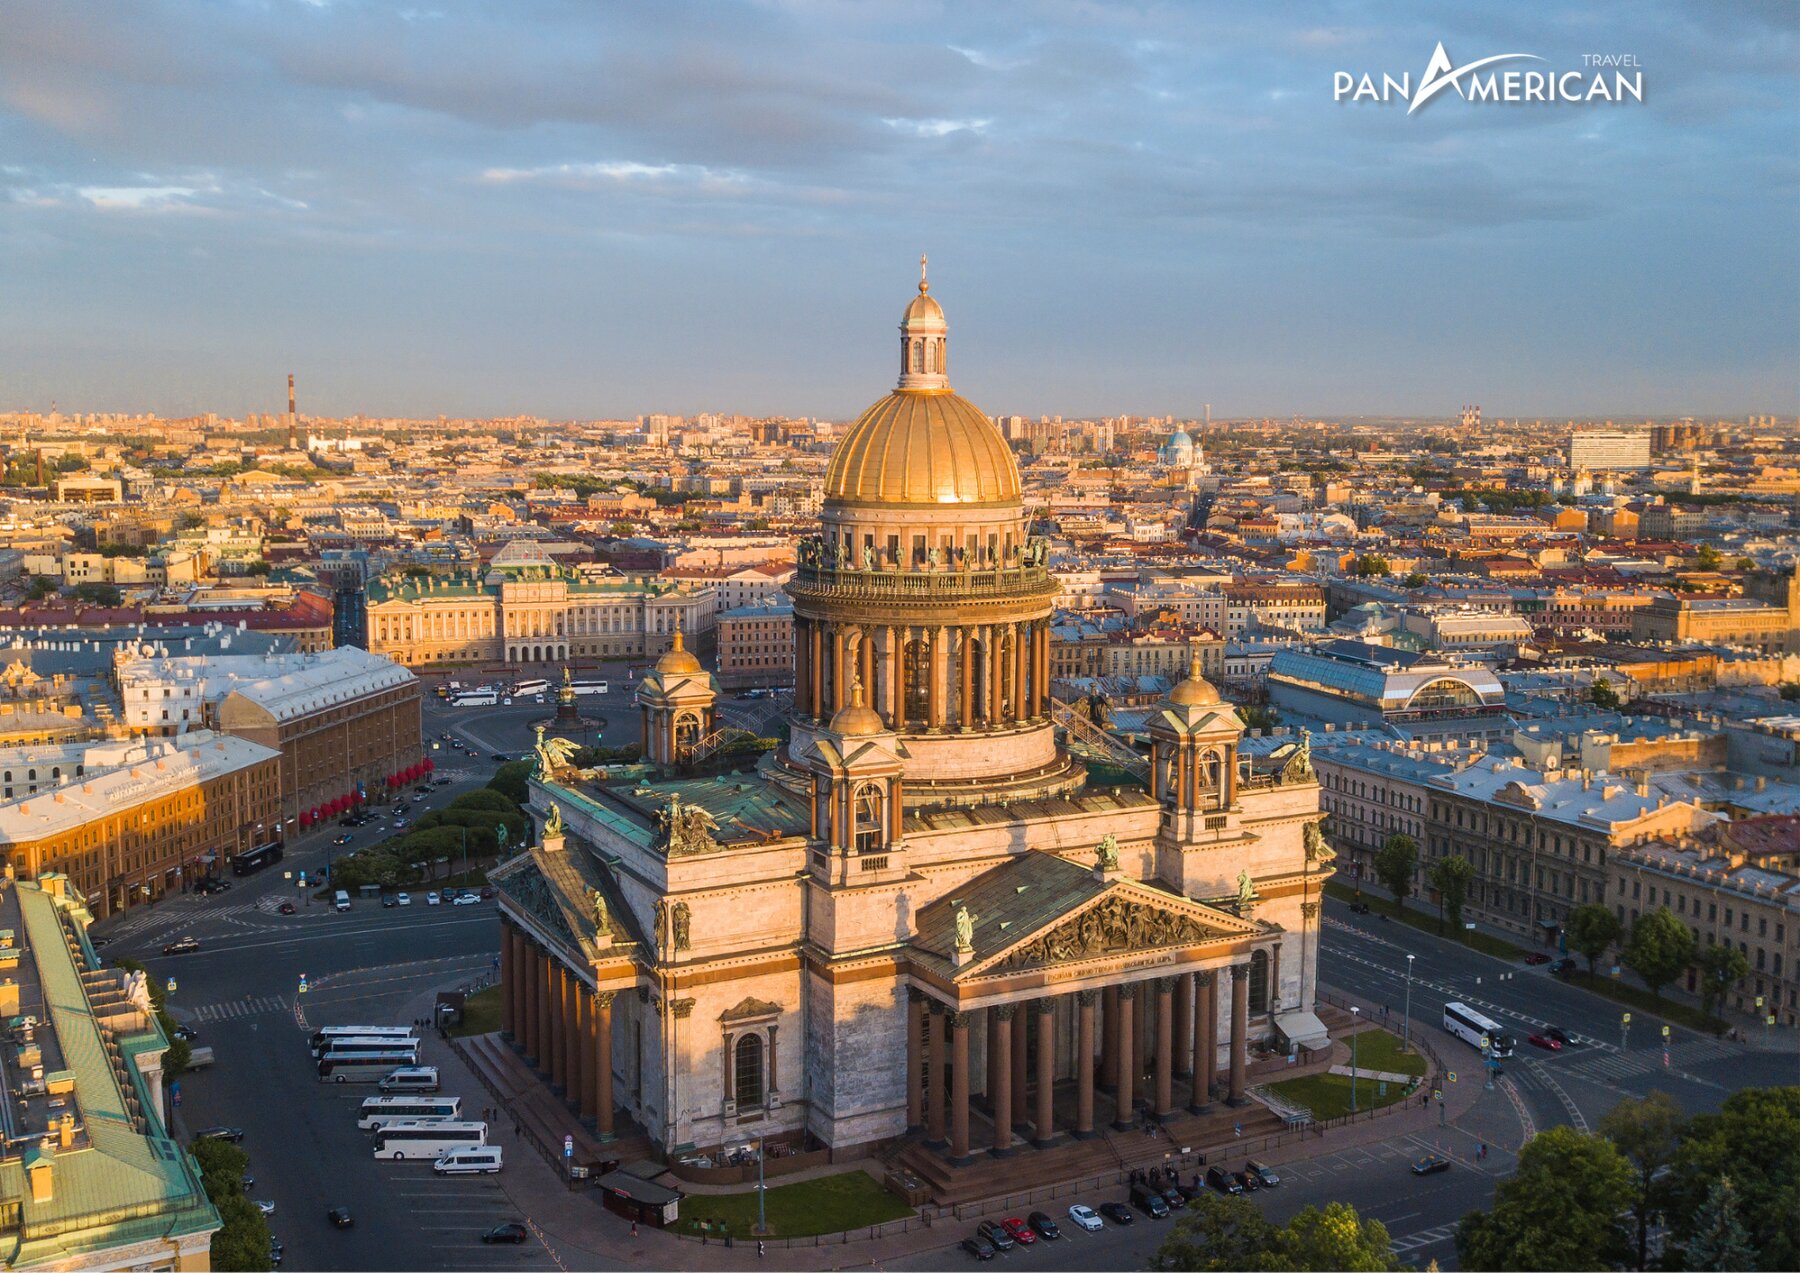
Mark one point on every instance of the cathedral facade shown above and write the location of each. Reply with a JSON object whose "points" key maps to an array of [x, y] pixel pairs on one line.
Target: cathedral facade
{"points": [[919, 916]]}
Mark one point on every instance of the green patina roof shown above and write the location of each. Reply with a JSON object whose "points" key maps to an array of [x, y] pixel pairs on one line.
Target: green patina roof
{"points": [[745, 805]]}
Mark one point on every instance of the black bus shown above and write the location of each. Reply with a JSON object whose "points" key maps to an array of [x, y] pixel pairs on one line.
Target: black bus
{"points": [[255, 859]]}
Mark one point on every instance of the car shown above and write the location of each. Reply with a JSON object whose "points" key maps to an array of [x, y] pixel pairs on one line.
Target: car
{"points": [[501, 758], [1222, 1180], [1248, 1182], [341, 839], [1563, 967], [403, 899], [98, 942], [340, 1217], [388, 903], [1000, 1239], [423, 789], [1359, 908], [1117, 1212], [1044, 1226], [186, 1033], [487, 892], [233, 1134], [182, 946], [978, 1248], [466, 899], [1174, 1198], [512, 1231], [265, 1206], [431, 898], [442, 782], [1556, 1032], [286, 908], [1545, 1042], [1085, 1218], [1263, 1173], [276, 1251], [1019, 1231], [1537, 957], [1430, 1164]]}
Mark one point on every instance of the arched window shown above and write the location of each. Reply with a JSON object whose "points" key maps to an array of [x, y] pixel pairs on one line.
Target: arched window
{"points": [[918, 357], [917, 682], [747, 1070], [870, 812], [687, 731], [1259, 981]]}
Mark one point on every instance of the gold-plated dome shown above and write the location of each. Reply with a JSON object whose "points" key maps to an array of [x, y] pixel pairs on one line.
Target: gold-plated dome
{"points": [[924, 309], [679, 661], [922, 448], [857, 719], [1196, 691]]}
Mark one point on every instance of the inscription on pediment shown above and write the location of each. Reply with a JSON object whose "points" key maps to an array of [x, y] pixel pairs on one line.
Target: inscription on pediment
{"points": [[1116, 926]]}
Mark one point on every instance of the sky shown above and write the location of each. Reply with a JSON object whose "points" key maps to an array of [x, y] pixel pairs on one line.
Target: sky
{"points": [[584, 209]]}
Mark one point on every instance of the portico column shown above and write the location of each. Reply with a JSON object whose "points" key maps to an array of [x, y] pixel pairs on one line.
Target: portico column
{"points": [[572, 1034], [1240, 1031], [965, 679], [546, 1048], [603, 1078], [1127, 1059], [584, 1051], [1206, 1041], [995, 681], [1021, 635], [1184, 1025], [959, 1087], [1000, 1033], [1021, 1058], [840, 668], [528, 983], [508, 996], [1165, 1048], [896, 678], [802, 674], [815, 667], [915, 1029], [1109, 1038], [940, 676], [558, 1044], [934, 1087], [1084, 1064], [865, 646], [1046, 1071]]}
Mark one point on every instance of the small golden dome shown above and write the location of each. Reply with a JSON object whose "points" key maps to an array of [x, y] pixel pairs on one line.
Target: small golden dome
{"points": [[932, 447], [678, 661], [923, 309], [858, 719], [1196, 691]]}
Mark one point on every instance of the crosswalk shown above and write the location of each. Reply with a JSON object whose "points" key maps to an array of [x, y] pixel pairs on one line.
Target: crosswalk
{"points": [[1424, 1238], [1683, 1058], [232, 1009]]}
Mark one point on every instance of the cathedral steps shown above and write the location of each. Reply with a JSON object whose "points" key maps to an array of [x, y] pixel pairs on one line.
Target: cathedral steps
{"points": [[540, 1115]]}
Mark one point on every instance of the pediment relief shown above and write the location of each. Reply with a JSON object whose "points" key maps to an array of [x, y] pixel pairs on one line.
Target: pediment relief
{"points": [[1117, 924], [749, 1009]]}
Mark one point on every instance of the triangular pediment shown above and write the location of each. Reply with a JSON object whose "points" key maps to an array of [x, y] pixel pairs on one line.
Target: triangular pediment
{"points": [[1127, 918], [749, 1009]]}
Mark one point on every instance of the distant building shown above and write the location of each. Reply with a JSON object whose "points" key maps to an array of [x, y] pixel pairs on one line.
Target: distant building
{"points": [[756, 646], [1439, 698], [1743, 621], [1609, 450]]}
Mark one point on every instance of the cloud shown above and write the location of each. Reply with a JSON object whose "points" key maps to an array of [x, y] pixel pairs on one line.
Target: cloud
{"points": [[138, 198], [937, 127]]}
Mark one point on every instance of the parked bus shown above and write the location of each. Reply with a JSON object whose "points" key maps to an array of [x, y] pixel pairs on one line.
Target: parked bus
{"points": [[363, 1067], [476, 698], [1470, 1026], [255, 859], [337, 1049], [379, 1111], [326, 1034], [588, 687], [530, 687], [428, 1140]]}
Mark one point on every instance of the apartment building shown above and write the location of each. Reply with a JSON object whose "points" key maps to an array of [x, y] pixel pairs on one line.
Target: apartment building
{"points": [[756, 646]]}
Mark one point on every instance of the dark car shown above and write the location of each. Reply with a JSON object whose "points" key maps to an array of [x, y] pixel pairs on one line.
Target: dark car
{"points": [[1248, 1181], [1045, 1226], [1556, 1032], [1222, 1180], [182, 946], [1150, 1202], [341, 839], [978, 1248], [232, 1134], [186, 1033], [1263, 1173], [487, 892], [1117, 1212], [1429, 1165], [1537, 957], [995, 1234], [511, 1231], [1176, 1200], [1359, 908], [276, 1251], [389, 902], [286, 908], [501, 758], [340, 1217], [1563, 967]]}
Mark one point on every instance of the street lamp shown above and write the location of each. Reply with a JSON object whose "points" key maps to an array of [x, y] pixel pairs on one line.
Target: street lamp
{"points": [[1355, 1015], [1406, 1019]]}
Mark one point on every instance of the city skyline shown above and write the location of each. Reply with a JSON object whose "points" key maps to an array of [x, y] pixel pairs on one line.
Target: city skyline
{"points": [[1127, 211]]}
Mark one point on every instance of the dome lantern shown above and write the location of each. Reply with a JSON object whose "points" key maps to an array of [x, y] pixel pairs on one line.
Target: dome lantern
{"points": [[923, 339]]}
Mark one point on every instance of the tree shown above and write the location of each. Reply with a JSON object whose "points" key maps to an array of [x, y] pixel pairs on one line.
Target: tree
{"points": [[42, 586], [1373, 565], [1647, 1132], [1790, 690], [1719, 1240], [1414, 580], [242, 1244], [1591, 928], [1720, 965], [98, 594], [1451, 876], [1335, 1238], [1217, 1233], [1707, 557], [511, 780], [1560, 1209], [1260, 717], [1755, 1140], [1659, 949], [1604, 695], [1394, 867]]}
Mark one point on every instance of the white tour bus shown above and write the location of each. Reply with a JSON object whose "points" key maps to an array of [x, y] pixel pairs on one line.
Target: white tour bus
{"points": [[322, 1038], [476, 698], [427, 1140], [381, 1111], [337, 1049], [530, 687], [1470, 1026], [363, 1067], [588, 687]]}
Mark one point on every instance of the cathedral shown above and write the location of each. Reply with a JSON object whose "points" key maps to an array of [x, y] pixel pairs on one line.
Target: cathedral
{"points": [[921, 916]]}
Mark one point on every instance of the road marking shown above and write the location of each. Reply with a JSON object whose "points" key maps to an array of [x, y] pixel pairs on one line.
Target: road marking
{"points": [[1569, 1107], [1424, 1238]]}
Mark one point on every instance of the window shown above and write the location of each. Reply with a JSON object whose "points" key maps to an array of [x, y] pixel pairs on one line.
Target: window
{"points": [[747, 1070]]}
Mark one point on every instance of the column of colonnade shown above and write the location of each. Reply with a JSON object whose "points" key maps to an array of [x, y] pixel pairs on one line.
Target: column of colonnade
{"points": [[1001, 673], [561, 1026], [1172, 1022]]}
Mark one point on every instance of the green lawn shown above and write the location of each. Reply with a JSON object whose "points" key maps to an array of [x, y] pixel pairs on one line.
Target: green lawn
{"points": [[829, 1204], [481, 1013], [1486, 943], [1379, 1050], [1328, 1095]]}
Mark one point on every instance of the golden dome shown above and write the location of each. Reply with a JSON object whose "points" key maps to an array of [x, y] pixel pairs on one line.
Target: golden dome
{"points": [[858, 719], [1196, 691], [679, 661], [922, 448], [923, 309]]}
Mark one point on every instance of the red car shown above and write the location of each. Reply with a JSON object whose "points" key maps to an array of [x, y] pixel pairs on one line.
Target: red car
{"points": [[1019, 1231], [1545, 1042], [1537, 958]]}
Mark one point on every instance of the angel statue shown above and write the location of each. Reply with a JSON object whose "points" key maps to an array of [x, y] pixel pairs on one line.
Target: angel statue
{"points": [[1109, 853], [553, 825], [965, 929], [1246, 890], [552, 754]]}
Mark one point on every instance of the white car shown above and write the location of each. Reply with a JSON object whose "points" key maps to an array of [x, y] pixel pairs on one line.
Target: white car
{"points": [[466, 899], [403, 899], [431, 899], [1086, 1218], [267, 1208]]}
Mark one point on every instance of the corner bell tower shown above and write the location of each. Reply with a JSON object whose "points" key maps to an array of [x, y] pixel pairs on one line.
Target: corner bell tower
{"points": [[675, 705]]}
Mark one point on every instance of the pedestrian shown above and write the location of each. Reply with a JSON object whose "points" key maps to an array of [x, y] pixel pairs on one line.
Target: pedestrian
{"points": [[634, 1228], [759, 1248], [1237, 1129]]}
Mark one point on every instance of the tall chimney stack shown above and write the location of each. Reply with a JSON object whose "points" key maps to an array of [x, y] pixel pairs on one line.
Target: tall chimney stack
{"points": [[293, 423]]}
